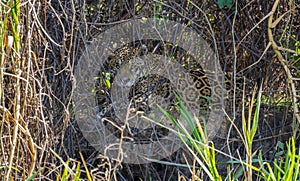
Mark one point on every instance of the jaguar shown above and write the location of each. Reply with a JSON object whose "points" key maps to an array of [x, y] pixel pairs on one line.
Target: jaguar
{"points": [[140, 74]]}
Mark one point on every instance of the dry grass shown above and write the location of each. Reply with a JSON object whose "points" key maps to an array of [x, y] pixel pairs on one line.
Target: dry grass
{"points": [[42, 41]]}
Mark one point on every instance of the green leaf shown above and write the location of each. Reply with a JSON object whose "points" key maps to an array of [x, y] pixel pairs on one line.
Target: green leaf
{"points": [[239, 172], [107, 83], [225, 3], [77, 173], [280, 145], [32, 176], [65, 173]]}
